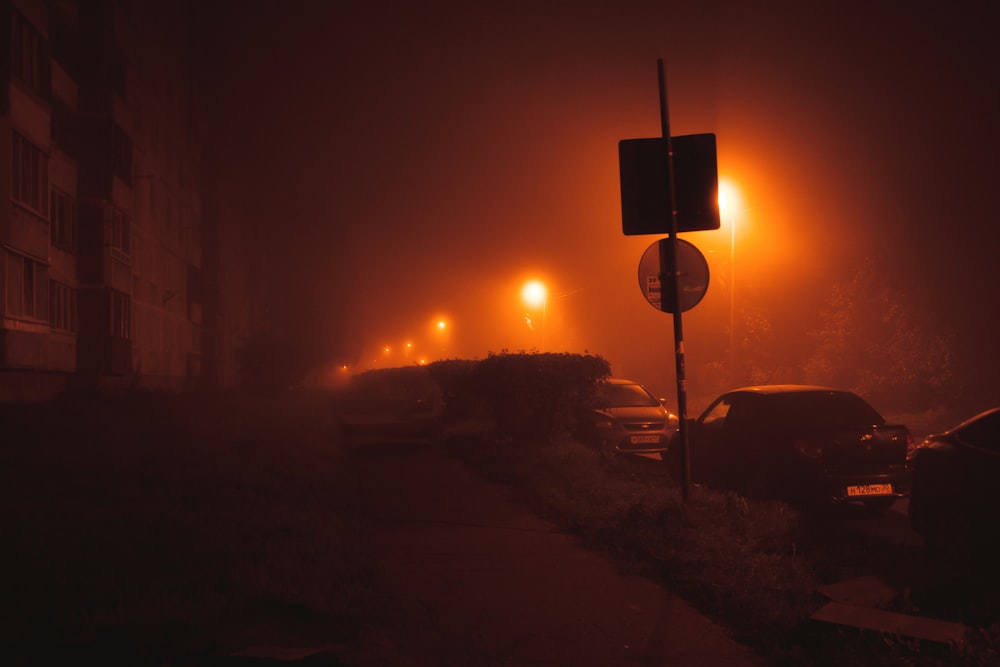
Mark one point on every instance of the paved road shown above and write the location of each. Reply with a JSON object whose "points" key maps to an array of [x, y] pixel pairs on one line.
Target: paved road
{"points": [[469, 576]]}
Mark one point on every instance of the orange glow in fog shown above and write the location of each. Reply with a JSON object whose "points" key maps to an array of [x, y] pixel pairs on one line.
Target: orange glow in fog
{"points": [[534, 293], [730, 201]]}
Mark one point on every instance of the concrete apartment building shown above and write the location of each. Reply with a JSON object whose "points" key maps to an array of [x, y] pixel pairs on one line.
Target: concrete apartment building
{"points": [[111, 274]]}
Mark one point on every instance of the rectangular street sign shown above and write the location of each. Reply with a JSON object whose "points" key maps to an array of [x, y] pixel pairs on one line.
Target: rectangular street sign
{"points": [[645, 184]]}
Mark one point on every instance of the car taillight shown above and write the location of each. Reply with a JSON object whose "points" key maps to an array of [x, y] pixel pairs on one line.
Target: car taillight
{"points": [[911, 449], [808, 449]]}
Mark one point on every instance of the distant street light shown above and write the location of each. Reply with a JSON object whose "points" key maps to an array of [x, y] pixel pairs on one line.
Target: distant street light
{"points": [[443, 331], [536, 295]]}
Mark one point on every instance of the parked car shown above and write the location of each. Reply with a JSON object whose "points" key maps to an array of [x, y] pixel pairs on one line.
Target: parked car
{"points": [[811, 445], [953, 502], [625, 417]]}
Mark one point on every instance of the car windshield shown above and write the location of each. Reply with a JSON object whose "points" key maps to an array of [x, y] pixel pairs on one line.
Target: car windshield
{"points": [[625, 396], [823, 411]]}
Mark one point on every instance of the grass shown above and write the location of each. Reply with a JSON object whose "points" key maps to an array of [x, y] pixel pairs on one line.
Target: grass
{"points": [[754, 566]]}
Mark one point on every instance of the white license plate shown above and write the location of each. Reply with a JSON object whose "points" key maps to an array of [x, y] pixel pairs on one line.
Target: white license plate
{"points": [[644, 439], [869, 490]]}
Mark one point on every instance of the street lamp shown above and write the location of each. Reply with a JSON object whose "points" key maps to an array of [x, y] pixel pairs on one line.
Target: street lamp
{"points": [[728, 203], [442, 330], [536, 295]]}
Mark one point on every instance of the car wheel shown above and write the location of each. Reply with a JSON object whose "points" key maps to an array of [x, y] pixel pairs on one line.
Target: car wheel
{"points": [[606, 448]]}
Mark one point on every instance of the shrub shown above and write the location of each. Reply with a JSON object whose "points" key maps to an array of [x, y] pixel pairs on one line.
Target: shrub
{"points": [[534, 397], [400, 390], [456, 379], [531, 398]]}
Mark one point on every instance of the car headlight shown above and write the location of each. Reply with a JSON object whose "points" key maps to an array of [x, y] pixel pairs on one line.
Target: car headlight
{"points": [[604, 423]]}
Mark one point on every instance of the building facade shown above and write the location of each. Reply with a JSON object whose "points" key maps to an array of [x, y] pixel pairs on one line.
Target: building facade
{"points": [[104, 237]]}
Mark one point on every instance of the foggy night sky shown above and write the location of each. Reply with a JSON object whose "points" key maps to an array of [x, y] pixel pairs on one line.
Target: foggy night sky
{"points": [[410, 160]]}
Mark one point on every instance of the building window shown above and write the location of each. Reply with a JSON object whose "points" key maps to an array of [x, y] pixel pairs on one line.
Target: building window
{"points": [[27, 287], [62, 307], [63, 211], [120, 311], [29, 175], [27, 54], [121, 154], [120, 238]]}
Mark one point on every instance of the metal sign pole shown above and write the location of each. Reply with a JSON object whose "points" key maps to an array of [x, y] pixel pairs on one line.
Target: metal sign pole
{"points": [[668, 269]]}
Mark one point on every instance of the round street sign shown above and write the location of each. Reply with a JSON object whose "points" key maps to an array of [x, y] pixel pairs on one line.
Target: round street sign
{"points": [[692, 276]]}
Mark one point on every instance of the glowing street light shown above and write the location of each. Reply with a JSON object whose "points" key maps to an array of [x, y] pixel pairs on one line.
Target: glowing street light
{"points": [[729, 202], [442, 333], [536, 295]]}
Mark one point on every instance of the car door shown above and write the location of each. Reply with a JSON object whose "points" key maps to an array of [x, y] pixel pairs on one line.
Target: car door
{"points": [[953, 504], [973, 470], [726, 451], [711, 442]]}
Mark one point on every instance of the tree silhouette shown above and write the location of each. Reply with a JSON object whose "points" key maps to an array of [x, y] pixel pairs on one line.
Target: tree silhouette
{"points": [[871, 340]]}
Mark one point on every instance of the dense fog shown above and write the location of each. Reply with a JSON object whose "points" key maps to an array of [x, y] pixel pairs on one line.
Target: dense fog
{"points": [[405, 168]]}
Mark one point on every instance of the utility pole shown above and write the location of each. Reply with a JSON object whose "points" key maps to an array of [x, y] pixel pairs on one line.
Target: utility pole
{"points": [[668, 267]]}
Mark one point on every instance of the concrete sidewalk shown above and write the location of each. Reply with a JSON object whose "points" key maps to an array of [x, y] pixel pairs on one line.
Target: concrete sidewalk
{"points": [[470, 577]]}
